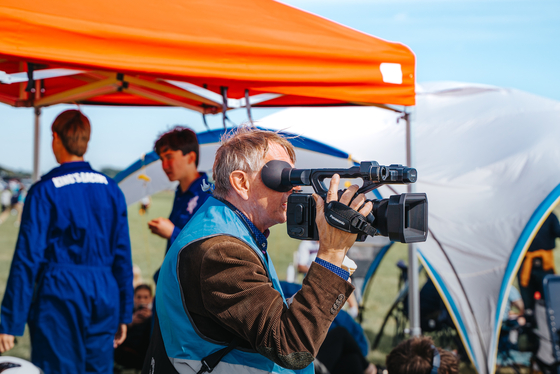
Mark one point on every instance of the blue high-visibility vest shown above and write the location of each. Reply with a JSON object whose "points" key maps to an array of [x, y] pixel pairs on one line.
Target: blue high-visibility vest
{"points": [[184, 344]]}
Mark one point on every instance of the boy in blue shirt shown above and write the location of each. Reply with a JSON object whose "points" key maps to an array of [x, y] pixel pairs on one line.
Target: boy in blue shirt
{"points": [[178, 150]]}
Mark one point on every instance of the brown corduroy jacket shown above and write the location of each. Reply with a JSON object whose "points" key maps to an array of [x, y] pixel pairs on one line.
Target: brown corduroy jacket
{"points": [[227, 293]]}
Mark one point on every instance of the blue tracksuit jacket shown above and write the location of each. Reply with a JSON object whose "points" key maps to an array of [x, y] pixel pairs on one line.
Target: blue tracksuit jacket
{"points": [[71, 274], [186, 204]]}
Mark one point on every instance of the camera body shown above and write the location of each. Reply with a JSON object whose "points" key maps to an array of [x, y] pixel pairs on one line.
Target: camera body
{"points": [[301, 217], [402, 218]]}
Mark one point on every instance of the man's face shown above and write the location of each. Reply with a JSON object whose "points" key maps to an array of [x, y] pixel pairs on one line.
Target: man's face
{"points": [[142, 297], [271, 205], [175, 164]]}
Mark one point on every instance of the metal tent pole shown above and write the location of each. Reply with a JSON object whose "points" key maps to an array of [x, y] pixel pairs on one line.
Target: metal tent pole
{"points": [[36, 149], [413, 289]]}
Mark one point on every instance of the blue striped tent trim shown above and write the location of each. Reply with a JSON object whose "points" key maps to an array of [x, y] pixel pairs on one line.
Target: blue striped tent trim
{"points": [[451, 306], [214, 136], [375, 264]]}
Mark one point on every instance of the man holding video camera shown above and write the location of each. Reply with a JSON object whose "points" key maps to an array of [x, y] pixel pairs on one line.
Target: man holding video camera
{"points": [[220, 306]]}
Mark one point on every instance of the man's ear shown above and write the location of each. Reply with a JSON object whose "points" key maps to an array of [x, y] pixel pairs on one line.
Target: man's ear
{"points": [[239, 180]]}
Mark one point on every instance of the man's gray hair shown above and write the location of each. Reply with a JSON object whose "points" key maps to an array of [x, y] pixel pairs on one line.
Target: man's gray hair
{"points": [[244, 148]]}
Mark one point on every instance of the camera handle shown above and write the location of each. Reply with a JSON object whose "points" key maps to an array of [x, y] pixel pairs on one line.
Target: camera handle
{"points": [[317, 178], [347, 219], [280, 176]]}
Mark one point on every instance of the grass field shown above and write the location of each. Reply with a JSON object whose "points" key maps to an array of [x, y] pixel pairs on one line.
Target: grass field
{"points": [[148, 251]]}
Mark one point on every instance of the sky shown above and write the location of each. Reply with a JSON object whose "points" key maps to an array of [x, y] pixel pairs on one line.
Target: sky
{"points": [[513, 44]]}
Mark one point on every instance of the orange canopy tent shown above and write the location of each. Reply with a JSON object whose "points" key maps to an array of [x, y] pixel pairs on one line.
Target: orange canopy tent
{"points": [[193, 53], [205, 55]]}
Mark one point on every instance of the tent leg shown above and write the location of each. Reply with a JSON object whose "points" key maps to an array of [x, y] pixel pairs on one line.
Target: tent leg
{"points": [[36, 139], [413, 289], [413, 292]]}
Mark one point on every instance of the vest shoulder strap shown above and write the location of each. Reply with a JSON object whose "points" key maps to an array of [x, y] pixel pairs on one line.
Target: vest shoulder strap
{"points": [[209, 362]]}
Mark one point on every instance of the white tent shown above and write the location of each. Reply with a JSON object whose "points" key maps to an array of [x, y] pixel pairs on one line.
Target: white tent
{"points": [[486, 156], [488, 159]]}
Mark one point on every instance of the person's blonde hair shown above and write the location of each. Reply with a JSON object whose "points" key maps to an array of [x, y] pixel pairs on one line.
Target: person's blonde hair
{"points": [[244, 148], [74, 131]]}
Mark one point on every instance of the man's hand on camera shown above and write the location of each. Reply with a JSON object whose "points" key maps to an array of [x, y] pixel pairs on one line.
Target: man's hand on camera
{"points": [[334, 243], [162, 227]]}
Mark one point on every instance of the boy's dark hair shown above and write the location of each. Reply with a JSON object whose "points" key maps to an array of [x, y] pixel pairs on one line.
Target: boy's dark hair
{"points": [[74, 131], [179, 139], [415, 356], [143, 287]]}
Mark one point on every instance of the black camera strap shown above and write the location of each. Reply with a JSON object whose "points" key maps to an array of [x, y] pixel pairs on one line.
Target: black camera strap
{"points": [[347, 219]]}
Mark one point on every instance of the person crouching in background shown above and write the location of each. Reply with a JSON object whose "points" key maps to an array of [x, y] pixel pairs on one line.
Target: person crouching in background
{"points": [[130, 354]]}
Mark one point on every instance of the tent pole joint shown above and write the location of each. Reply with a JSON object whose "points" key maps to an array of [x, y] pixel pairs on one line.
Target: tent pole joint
{"points": [[124, 84]]}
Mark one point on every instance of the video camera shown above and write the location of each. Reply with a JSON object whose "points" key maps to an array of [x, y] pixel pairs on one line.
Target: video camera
{"points": [[403, 218]]}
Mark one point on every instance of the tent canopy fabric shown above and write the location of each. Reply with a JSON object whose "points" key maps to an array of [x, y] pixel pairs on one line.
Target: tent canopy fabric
{"points": [[182, 52], [487, 158]]}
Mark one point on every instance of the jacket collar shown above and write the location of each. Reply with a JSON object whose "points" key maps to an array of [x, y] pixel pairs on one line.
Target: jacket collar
{"points": [[68, 167], [260, 238]]}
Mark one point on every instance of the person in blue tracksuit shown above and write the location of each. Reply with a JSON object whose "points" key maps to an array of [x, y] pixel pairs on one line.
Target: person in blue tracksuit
{"points": [[71, 274], [179, 151]]}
